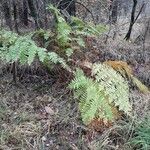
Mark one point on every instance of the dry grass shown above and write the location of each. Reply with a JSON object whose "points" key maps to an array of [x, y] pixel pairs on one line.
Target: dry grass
{"points": [[25, 124]]}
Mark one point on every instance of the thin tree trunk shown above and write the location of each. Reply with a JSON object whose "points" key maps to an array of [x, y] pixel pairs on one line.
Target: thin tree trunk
{"points": [[45, 14], [127, 37], [15, 14], [25, 13], [33, 13], [7, 13], [37, 4], [147, 28], [69, 6], [114, 11]]}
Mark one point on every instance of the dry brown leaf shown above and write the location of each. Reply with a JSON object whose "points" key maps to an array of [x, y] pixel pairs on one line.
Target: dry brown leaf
{"points": [[49, 110]]}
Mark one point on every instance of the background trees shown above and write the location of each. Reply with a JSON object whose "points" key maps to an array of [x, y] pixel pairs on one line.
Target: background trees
{"points": [[16, 13], [25, 13]]}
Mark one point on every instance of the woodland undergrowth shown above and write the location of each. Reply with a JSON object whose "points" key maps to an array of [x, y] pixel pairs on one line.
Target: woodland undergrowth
{"points": [[101, 89]]}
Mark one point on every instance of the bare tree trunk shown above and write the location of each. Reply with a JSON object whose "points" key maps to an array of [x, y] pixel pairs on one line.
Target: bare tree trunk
{"points": [[127, 37], [38, 9], [147, 28], [33, 12], [45, 14], [25, 13], [69, 6], [113, 11], [1, 17], [15, 13], [7, 13]]}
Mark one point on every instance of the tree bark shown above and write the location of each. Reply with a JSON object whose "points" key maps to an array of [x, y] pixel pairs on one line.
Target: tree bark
{"points": [[15, 14], [33, 12], [127, 37], [113, 11], [7, 14], [25, 13], [114, 14], [69, 6], [45, 14]]}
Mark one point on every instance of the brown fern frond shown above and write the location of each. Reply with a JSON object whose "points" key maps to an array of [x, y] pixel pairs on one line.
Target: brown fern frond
{"points": [[122, 67], [99, 125], [140, 85], [125, 70]]}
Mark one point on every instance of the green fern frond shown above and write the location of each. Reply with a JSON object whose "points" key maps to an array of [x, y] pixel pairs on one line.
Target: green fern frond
{"points": [[54, 10], [69, 52], [98, 97], [79, 81], [87, 29], [63, 31], [62, 27], [91, 98], [42, 54], [7, 37], [54, 58], [24, 50], [115, 86], [73, 32]]}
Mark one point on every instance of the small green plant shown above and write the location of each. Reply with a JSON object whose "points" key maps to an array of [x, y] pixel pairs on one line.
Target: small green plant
{"points": [[141, 137], [63, 29], [99, 97]]}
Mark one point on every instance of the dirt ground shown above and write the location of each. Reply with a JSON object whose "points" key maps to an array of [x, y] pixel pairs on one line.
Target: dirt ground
{"points": [[36, 113], [39, 113]]}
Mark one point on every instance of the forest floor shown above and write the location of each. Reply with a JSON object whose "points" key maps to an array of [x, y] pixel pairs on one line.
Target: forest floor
{"points": [[41, 114]]}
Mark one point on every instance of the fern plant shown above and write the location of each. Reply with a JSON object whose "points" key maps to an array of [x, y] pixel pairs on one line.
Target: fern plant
{"points": [[69, 34], [62, 27], [87, 29], [115, 86], [126, 71], [99, 97], [24, 49]]}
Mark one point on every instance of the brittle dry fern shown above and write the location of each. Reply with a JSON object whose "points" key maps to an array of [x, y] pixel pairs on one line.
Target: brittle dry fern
{"points": [[126, 71]]}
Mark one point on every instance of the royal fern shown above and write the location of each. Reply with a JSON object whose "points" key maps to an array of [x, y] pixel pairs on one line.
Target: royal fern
{"points": [[115, 86], [62, 27], [100, 97], [126, 71], [24, 49], [70, 34], [92, 102]]}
